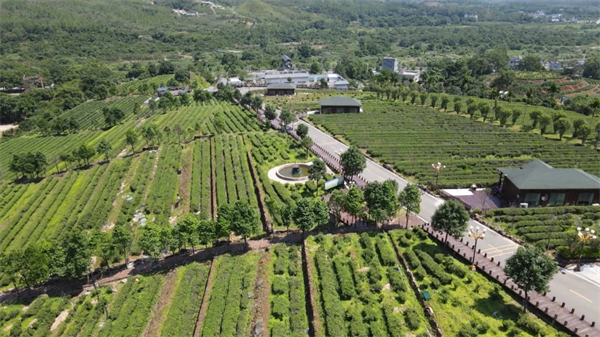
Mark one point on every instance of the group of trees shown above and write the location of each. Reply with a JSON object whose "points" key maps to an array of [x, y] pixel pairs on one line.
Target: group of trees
{"points": [[378, 202], [66, 258], [192, 231], [29, 164]]}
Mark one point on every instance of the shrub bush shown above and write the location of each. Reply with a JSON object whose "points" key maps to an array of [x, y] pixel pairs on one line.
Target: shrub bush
{"points": [[434, 268], [386, 252], [396, 280], [412, 318], [280, 285], [280, 307], [526, 323], [346, 282], [456, 269]]}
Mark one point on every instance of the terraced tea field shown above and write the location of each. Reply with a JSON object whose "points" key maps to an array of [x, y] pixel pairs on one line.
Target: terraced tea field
{"points": [[411, 138]]}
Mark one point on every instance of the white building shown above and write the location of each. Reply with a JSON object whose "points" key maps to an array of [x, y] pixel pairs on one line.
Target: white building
{"points": [[147, 102], [390, 63], [296, 77], [341, 85], [302, 77], [406, 74], [235, 81], [514, 61], [553, 65]]}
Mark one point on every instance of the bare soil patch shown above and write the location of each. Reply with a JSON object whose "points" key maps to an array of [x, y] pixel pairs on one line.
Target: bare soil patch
{"points": [[61, 318]]}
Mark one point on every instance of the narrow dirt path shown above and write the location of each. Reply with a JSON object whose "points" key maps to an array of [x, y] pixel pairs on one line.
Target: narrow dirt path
{"points": [[151, 180], [259, 310], [185, 179], [205, 300], [160, 310]]}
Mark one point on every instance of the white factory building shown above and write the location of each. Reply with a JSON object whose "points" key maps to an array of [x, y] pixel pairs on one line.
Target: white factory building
{"points": [[334, 81]]}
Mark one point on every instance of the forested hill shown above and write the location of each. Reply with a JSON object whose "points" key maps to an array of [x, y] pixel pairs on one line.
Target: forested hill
{"points": [[136, 29]]}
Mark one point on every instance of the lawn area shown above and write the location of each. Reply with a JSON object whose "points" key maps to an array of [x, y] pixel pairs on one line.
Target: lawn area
{"points": [[465, 303]]}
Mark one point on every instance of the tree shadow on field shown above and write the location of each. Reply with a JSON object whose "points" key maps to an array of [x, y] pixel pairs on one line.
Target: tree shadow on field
{"points": [[497, 308]]}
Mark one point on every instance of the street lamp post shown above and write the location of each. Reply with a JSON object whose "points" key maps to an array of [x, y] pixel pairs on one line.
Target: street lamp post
{"points": [[477, 235], [437, 167], [585, 236]]}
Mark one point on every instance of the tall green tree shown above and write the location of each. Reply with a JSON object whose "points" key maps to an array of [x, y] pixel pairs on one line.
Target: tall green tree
{"points": [[303, 215], [85, 153], [287, 213], [320, 212], [245, 221], [270, 113], [531, 269], [423, 97], [353, 162], [206, 231], [584, 133], [337, 203], [223, 226], [104, 147], [317, 170], [186, 231], [287, 117], [150, 241], [544, 121], [484, 110], [26, 266], [302, 130], [410, 199], [131, 138], [535, 117], [562, 126], [381, 200], [122, 238], [77, 253], [451, 217], [354, 202], [307, 143]]}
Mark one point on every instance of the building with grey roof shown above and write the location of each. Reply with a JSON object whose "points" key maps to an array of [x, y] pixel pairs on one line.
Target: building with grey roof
{"points": [[340, 104], [539, 184], [281, 89]]}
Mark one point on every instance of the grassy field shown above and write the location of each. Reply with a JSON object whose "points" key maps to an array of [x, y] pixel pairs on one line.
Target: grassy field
{"points": [[411, 138]]}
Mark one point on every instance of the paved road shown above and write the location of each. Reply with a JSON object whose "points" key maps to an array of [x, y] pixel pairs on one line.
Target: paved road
{"points": [[578, 292]]}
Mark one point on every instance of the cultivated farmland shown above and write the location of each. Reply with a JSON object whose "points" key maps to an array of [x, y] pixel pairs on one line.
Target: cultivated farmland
{"points": [[362, 291], [411, 138], [230, 297], [465, 303], [550, 227]]}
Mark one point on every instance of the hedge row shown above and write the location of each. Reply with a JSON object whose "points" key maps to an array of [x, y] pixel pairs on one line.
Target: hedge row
{"points": [[186, 302], [345, 279], [433, 267]]}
